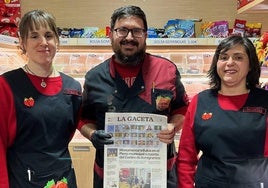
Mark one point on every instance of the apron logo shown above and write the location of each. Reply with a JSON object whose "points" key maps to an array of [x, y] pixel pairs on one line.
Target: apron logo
{"points": [[206, 116], [29, 102], [162, 103]]}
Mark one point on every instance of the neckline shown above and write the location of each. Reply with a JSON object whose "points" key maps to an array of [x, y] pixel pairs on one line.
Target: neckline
{"points": [[28, 70], [43, 83]]}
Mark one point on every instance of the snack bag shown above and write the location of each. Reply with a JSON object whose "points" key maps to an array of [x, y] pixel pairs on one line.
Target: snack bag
{"points": [[239, 27], [253, 29], [218, 29], [178, 28], [89, 32], [9, 17], [151, 32], [10, 11], [101, 33], [76, 32]]}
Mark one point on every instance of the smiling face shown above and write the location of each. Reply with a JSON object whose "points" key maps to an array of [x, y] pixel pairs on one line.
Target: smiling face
{"points": [[40, 45], [128, 49], [233, 67], [38, 36]]}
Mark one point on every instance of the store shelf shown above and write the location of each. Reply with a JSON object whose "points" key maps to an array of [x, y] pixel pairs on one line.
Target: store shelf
{"points": [[150, 41], [256, 6], [12, 41]]}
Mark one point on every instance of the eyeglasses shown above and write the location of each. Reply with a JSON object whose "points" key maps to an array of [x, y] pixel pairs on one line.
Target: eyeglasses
{"points": [[136, 32]]}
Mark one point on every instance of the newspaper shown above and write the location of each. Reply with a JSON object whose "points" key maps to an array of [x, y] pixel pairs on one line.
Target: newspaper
{"points": [[137, 159]]}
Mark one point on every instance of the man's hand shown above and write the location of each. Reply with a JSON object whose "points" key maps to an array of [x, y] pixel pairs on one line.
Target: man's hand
{"points": [[167, 135], [99, 138]]}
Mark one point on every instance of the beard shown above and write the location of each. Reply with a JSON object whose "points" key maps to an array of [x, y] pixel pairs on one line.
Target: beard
{"points": [[133, 59]]}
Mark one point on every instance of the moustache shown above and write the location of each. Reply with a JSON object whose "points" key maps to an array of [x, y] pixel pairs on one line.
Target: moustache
{"points": [[134, 43]]}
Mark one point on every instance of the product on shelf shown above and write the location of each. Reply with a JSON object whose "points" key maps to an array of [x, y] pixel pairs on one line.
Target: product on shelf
{"points": [[87, 32], [9, 17], [239, 27], [217, 29], [253, 29], [179, 28], [261, 45]]}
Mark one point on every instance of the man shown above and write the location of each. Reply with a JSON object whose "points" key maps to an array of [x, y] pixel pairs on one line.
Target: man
{"points": [[131, 81]]}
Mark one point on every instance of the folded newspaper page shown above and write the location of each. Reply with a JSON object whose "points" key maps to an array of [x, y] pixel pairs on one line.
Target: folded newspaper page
{"points": [[137, 159]]}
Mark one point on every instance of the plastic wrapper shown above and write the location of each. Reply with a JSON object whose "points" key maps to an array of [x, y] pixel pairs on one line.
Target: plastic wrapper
{"points": [[178, 28]]}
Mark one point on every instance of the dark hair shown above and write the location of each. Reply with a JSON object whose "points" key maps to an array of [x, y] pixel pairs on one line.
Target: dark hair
{"points": [[253, 75], [127, 11], [34, 20]]}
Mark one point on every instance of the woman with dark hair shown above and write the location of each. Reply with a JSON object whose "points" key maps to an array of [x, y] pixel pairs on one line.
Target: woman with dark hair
{"points": [[253, 74], [224, 141]]}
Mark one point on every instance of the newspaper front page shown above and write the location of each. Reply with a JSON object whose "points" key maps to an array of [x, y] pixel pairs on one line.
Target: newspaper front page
{"points": [[137, 159]]}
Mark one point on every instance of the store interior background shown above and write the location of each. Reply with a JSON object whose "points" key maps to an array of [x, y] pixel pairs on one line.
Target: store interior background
{"points": [[83, 13], [89, 13]]}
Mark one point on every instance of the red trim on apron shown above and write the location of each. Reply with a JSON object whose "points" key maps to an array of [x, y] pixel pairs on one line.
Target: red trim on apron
{"points": [[98, 170], [171, 162], [266, 140]]}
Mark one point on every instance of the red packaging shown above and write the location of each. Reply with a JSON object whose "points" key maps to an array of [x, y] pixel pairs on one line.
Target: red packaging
{"points": [[9, 17], [241, 3], [239, 27]]}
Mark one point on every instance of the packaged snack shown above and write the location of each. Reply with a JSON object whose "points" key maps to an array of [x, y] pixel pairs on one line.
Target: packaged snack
{"points": [[253, 29], [10, 11], [239, 27], [65, 32], [8, 30], [76, 33], [9, 17], [89, 32], [160, 33], [107, 31], [256, 30], [217, 29], [179, 28], [101, 33], [151, 32]]}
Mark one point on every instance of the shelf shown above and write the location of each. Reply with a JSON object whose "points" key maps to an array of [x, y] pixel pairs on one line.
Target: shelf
{"points": [[13, 41], [150, 41], [256, 6], [72, 42]]}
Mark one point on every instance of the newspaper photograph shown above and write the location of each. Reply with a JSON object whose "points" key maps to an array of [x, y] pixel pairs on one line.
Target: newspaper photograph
{"points": [[137, 159]]}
